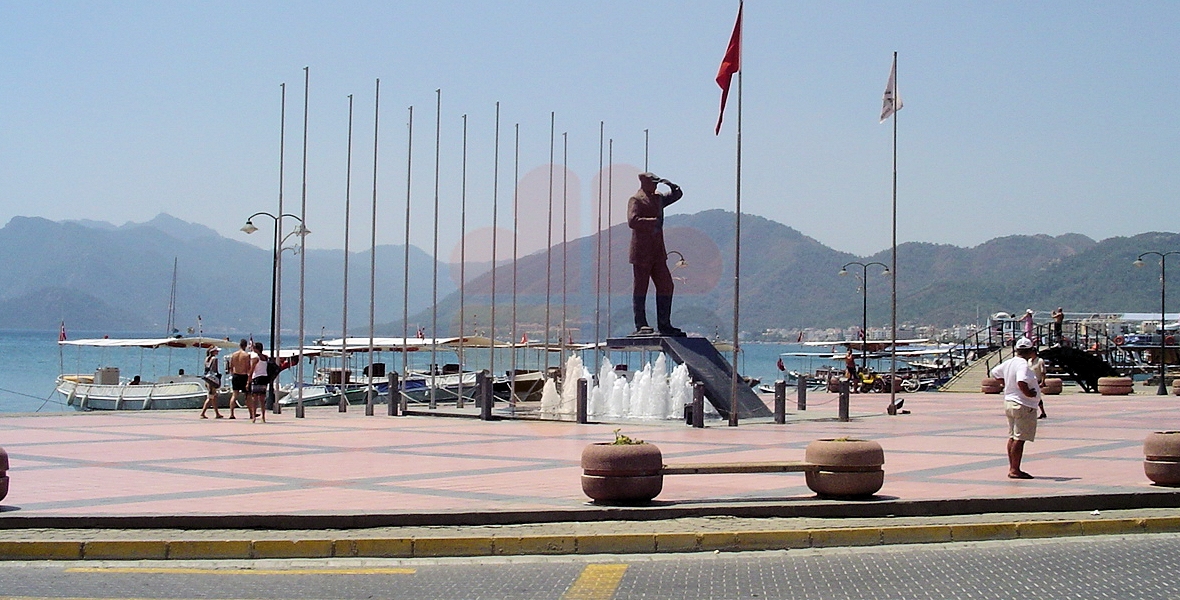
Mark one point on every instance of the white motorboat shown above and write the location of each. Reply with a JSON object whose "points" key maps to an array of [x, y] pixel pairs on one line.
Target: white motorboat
{"points": [[106, 389]]}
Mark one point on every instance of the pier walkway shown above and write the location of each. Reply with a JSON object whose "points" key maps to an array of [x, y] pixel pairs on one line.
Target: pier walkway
{"points": [[82, 477]]}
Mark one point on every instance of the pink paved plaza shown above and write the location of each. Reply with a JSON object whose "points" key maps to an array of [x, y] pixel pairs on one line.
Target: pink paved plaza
{"points": [[172, 463]]}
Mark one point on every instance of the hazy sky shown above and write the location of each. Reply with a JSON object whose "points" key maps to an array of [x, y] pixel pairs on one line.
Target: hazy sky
{"points": [[1020, 117]]}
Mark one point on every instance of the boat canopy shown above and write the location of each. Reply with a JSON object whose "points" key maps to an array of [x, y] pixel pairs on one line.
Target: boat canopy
{"points": [[870, 345], [181, 342], [397, 344]]}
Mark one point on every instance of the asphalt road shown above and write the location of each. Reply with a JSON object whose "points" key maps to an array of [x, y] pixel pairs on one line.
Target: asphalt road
{"points": [[1135, 566]]}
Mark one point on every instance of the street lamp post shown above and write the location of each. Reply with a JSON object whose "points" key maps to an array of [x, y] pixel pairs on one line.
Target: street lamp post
{"points": [[302, 231], [1163, 388], [864, 295]]}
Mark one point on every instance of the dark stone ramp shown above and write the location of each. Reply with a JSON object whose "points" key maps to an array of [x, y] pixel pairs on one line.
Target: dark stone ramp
{"points": [[706, 365]]}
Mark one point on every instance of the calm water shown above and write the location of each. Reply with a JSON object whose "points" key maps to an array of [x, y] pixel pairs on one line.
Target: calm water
{"points": [[30, 361]]}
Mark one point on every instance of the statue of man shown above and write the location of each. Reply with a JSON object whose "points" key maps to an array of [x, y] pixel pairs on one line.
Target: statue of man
{"points": [[649, 257]]}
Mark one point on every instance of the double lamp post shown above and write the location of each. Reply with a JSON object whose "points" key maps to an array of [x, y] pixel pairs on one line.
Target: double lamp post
{"points": [[276, 283], [864, 296], [1163, 388]]}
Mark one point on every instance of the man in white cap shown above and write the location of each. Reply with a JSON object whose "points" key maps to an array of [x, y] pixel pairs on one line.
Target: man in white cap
{"points": [[648, 256], [1022, 392]]}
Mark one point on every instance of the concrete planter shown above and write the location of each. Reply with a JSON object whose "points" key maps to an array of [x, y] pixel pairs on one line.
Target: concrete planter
{"points": [[1052, 387], [1115, 386], [991, 385], [623, 474], [1161, 452], [3, 473], [848, 468]]}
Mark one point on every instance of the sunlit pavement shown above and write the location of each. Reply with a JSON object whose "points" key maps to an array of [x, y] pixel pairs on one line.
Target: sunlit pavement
{"points": [[950, 447]]}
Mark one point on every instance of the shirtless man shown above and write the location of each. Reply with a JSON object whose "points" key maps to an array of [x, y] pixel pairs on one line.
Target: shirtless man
{"points": [[240, 367]]}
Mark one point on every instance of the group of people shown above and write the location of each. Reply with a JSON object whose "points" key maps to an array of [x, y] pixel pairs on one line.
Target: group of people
{"points": [[1023, 376], [250, 374]]}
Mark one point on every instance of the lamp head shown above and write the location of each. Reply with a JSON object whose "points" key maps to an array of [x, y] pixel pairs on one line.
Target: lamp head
{"points": [[886, 271], [1138, 262], [843, 273], [249, 227]]}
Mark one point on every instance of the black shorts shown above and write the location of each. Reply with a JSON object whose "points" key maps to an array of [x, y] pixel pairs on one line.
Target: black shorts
{"points": [[239, 382], [258, 384]]}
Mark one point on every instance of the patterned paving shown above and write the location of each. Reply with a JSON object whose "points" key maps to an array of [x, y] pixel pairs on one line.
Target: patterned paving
{"points": [[172, 463]]}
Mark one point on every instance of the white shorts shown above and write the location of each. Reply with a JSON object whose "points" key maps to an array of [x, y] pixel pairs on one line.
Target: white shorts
{"points": [[1022, 421]]}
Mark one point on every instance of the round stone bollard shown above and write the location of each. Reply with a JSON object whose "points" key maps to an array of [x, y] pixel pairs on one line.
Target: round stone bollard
{"points": [[1052, 387], [991, 385], [849, 468], [1161, 458], [1115, 386], [622, 473], [3, 473]]}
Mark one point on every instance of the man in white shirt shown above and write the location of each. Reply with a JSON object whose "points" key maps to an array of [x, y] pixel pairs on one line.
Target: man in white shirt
{"points": [[1021, 394]]}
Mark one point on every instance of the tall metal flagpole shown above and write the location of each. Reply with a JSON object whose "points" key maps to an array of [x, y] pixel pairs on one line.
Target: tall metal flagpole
{"points": [[565, 209], [610, 246], [549, 246], [344, 309], [302, 249], [495, 221], [893, 266], [373, 257], [406, 260], [434, 288], [515, 237], [598, 258], [462, 262], [276, 306], [737, 244]]}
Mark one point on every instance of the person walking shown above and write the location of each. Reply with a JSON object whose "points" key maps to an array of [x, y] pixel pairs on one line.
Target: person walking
{"points": [[1037, 365], [649, 256], [212, 379], [259, 378], [240, 368], [1021, 394]]}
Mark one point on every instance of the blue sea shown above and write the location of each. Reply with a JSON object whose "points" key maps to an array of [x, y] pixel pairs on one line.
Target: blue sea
{"points": [[32, 360]]}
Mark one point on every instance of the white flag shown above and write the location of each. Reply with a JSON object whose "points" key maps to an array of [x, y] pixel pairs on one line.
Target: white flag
{"points": [[891, 103]]}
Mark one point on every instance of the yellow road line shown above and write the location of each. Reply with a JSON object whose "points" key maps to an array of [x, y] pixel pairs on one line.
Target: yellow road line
{"points": [[186, 571], [597, 582]]}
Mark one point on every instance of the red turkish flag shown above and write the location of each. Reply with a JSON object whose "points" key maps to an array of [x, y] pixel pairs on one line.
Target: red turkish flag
{"points": [[732, 63]]}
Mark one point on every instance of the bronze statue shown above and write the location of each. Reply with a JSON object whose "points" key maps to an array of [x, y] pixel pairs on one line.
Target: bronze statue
{"points": [[648, 256]]}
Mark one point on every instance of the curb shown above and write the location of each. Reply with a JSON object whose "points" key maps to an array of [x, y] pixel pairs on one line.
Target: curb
{"points": [[879, 506], [646, 543]]}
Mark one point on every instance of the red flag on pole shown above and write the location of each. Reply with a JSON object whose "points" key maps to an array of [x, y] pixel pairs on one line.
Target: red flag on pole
{"points": [[732, 63]]}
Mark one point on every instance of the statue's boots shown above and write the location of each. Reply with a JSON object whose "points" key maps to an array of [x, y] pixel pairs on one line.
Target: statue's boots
{"points": [[664, 317], [639, 306]]}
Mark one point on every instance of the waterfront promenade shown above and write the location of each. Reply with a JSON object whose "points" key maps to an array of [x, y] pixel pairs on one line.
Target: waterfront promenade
{"points": [[339, 471]]}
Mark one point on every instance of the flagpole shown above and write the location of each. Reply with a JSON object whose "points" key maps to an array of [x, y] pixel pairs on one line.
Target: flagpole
{"points": [[598, 257], [434, 287], [495, 222], [565, 207], [549, 246], [344, 288], [406, 263], [610, 170], [515, 237], [893, 267], [373, 257], [737, 241], [462, 262]]}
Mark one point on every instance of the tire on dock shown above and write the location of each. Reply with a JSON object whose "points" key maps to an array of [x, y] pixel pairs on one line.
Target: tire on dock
{"points": [[848, 468]]}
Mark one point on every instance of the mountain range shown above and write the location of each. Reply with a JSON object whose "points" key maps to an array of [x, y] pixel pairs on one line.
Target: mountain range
{"points": [[100, 277]]}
